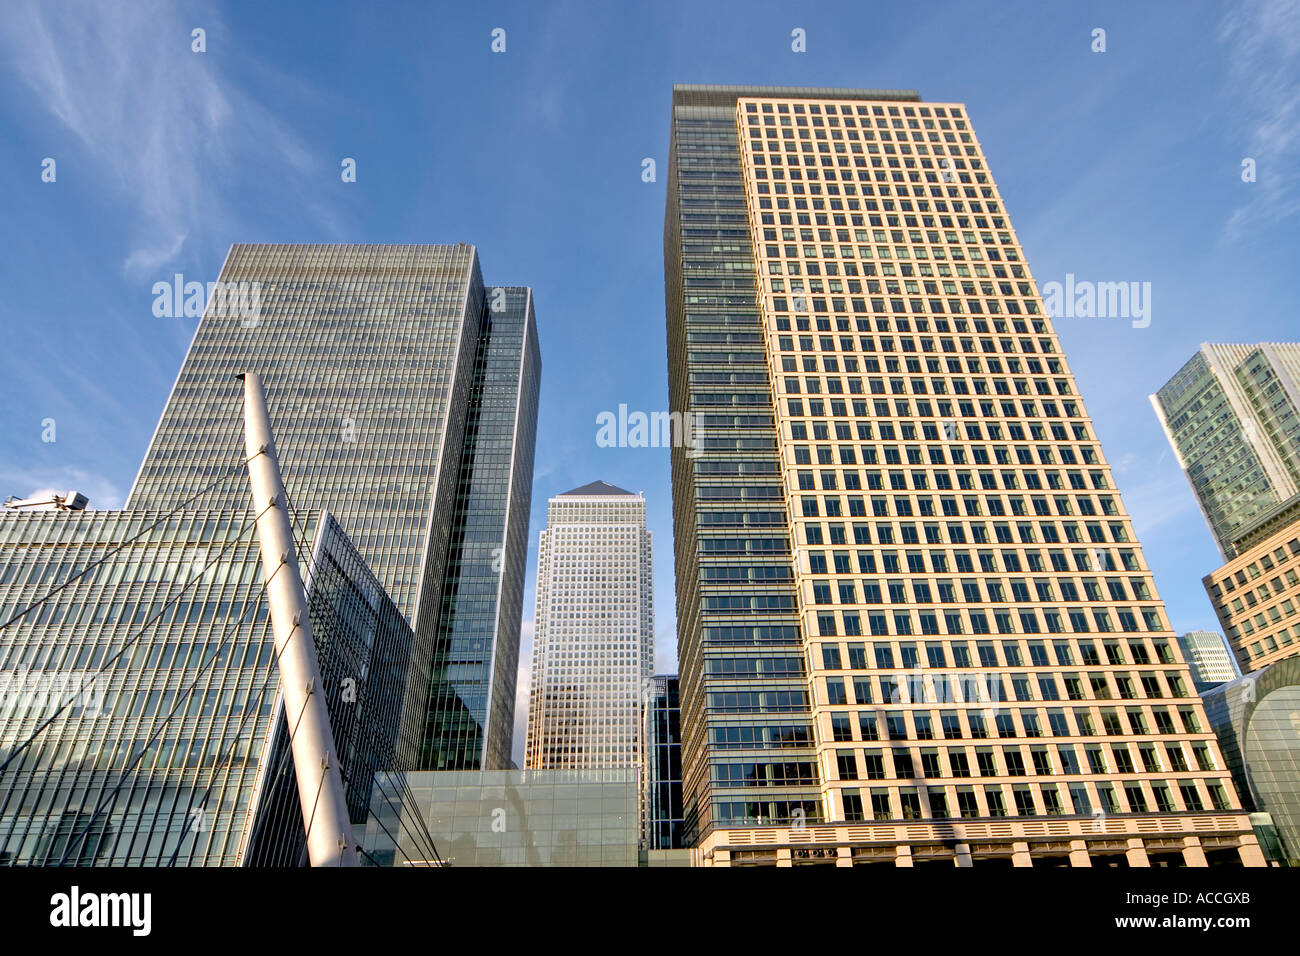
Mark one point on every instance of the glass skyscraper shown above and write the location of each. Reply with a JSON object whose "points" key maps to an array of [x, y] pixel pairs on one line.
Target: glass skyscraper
{"points": [[403, 395], [1232, 415], [476, 656], [914, 623]]}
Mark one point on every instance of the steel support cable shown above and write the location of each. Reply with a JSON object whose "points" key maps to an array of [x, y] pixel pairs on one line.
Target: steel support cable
{"points": [[225, 761], [80, 574], [194, 579], [283, 762], [426, 836], [429, 848], [272, 675], [160, 725], [424, 841]]}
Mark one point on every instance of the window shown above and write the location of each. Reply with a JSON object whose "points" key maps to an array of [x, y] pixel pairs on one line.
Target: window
{"points": [[1024, 798], [853, 806], [846, 764]]}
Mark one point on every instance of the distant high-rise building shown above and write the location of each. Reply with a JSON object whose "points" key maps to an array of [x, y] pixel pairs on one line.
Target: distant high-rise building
{"points": [[1207, 654], [1232, 415], [593, 639], [403, 396], [908, 591], [662, 804]]}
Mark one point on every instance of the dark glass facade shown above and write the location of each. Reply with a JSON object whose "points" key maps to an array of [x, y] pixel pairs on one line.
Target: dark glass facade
{"points": [[663, 776], [470, 722], [735, 586]]}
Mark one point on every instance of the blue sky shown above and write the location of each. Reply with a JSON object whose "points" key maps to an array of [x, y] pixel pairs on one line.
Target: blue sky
{"points": [[1115, 166]]}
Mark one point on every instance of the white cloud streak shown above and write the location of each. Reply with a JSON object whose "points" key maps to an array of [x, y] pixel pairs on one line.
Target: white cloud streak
{"points": [[1262, 40], [164, 128]]}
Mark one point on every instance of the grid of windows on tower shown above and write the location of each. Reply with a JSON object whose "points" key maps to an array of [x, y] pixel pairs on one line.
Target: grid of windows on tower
{"points": [[908, 589], [947, 487], [593, 646]]}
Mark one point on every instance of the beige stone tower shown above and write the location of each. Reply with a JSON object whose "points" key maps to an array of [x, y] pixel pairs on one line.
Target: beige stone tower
{"points": [[915, 624]]}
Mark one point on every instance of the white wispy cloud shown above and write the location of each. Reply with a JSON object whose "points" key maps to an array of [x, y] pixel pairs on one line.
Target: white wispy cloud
{"points": [[165, 129], [148, 260], [1262, 40]]}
